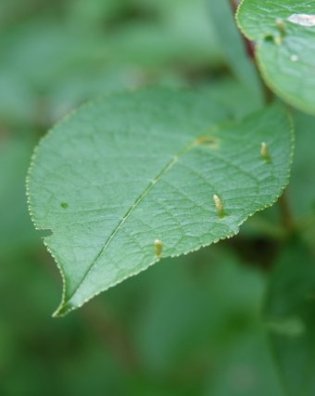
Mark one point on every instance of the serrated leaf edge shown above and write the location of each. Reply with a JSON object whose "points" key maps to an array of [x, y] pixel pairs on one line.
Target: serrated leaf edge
{"points": [[64, 307]]}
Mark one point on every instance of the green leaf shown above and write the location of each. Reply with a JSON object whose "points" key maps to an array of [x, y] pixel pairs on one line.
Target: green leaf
{"points": [[284, 32], [138, 176], [290, 312]]}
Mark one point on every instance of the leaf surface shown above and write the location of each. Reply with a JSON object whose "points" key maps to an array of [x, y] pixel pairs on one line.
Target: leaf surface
{"points": [[284, 32], [134, 168]]}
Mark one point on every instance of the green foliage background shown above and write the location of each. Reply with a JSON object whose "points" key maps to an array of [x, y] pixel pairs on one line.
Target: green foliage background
{"points": [[206, 324]]}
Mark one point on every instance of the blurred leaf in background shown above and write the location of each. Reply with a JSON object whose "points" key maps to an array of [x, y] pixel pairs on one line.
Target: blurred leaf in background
{"points": [[290, 310]]}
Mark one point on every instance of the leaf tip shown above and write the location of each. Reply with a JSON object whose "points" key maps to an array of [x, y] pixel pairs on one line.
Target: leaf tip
{"points": [[63, 309]]}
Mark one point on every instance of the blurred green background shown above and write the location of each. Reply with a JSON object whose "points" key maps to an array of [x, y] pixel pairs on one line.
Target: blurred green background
{"points": [[197, 325]]}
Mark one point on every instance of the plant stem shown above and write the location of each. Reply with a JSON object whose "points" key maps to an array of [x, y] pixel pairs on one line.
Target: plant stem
{"points": [[249, 45], [234, 4], [286, 214]]}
